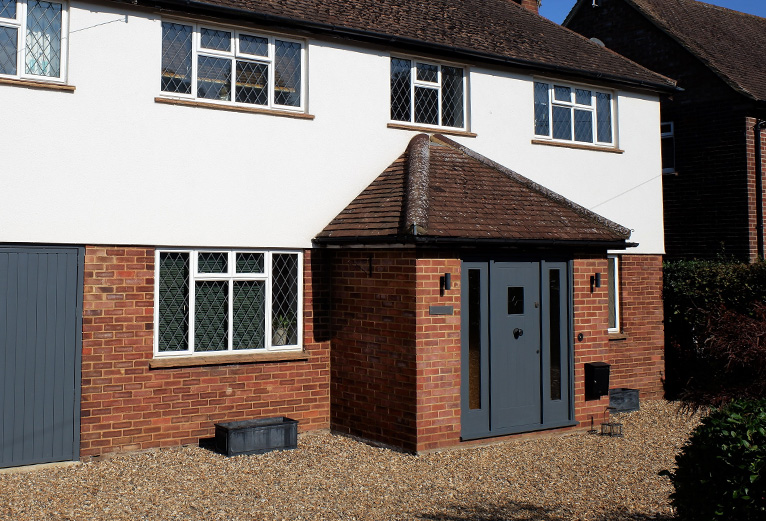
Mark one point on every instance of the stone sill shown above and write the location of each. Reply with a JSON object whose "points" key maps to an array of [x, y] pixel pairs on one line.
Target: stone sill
{"points": [[618, 336], [250, 358], [576, 146], [233, 108], [37, 84], [431, 130]]}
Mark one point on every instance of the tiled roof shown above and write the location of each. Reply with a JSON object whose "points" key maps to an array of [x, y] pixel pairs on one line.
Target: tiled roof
{"points": [[731, 43], [497, 31], [439, 189]]}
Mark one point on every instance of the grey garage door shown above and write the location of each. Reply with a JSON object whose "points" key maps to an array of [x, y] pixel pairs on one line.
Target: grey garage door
{"points": [[40, 353]]}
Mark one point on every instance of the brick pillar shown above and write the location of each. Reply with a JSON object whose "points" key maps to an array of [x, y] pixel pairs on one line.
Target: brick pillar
{"points": [[752, 172]]}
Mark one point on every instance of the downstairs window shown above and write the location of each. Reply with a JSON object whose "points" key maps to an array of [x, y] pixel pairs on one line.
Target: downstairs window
{"points": [[219, 301]]}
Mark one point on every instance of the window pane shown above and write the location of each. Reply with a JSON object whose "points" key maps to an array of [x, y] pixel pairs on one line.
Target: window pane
{"points": [[542, 117], [583, 97], [249, 262], [214, 78], [427, 72], [8, 39], [173, 334], [176, 58], [562, 123], [668, 154], [252, 83], [426, 105], [213, 262], [284, 299], [7, 8], [515, 300], [474, 339], [43, 52], [583, 127], [213, 39], [452, 97], [604, 117], [401, 76], [613, 291], [562, 93], [254, 45], [554, 292], [211, 324], [287, 73], [249, 314]]}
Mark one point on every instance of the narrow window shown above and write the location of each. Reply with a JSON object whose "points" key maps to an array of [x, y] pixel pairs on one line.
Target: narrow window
{"points": [[427, 93], [668, 139], [554, 306], [542, 116], [613, 279], [474, 339]]}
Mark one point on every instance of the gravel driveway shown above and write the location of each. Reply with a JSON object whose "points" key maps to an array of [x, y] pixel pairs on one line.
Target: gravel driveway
{"points": [[570, 477]]}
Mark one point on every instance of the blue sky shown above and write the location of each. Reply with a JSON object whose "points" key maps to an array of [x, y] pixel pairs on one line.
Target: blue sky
{"points": [[557, 10]]}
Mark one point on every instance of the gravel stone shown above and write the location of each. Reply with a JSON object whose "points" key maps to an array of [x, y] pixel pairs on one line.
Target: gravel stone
{"points": [[576, 476]]}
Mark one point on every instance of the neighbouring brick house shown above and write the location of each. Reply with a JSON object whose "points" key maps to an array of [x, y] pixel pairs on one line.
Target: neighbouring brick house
{"points": [[711, 179], [257, 212]]}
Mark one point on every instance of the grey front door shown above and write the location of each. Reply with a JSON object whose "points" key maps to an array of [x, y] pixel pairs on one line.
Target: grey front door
{"points": [[40, 352], [515, 347]]}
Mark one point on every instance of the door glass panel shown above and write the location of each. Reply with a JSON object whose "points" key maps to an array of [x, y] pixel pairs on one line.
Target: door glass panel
{"points": [[474, 339], [554, 310], [515, 300]]}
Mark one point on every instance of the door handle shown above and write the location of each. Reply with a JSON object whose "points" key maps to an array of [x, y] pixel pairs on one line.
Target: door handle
{"points": [[518, 332]]}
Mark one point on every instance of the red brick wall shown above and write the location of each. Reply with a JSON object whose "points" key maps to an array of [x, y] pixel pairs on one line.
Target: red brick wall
{"points": [[532, 5], [438, 353], [128, 406], [638, 357], [373, 384], [752, 171]]}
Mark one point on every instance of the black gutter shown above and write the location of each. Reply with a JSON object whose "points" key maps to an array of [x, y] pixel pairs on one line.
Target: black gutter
{"points": [[430, 241], [759, 126], [193, 6]]}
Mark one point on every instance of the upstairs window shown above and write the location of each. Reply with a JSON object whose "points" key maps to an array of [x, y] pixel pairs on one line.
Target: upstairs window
{"points": [[231, 66], [668, 137], [31, 39], [427, 93], [572, 113], [223, 301]]}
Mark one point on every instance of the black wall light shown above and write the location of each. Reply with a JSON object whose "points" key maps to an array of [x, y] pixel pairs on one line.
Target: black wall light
{"points": [[445, 283], [595, 281]]}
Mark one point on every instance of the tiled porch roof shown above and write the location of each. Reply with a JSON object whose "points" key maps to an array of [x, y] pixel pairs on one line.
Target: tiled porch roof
{"points": [[441, 191]]}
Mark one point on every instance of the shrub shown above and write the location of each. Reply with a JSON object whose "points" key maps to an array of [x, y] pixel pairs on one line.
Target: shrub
{"points": [[715, 331], [719, 472]]}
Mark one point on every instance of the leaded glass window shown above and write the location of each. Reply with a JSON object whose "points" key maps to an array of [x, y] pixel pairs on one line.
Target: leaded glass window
{"points": [[31, 39], [231, 66], [427, 93], [222, 301], [568, 113]]}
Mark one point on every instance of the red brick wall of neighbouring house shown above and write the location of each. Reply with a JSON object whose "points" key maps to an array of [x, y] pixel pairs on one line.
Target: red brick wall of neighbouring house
{"points": [[638, 356], [532, 5], [438, 352], [128, 406], [373, 356], [752, 172]]}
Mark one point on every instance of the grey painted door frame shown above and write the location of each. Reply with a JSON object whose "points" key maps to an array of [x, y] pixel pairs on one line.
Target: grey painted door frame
{"points": [[41, 295], [517, 368]]}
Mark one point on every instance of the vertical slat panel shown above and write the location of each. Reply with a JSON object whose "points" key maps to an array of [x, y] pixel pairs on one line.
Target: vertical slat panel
{"points": [[40, 341]]}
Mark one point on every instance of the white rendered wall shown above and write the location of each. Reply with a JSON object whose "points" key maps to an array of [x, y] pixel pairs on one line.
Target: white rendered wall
{"points": [[108, 165]]}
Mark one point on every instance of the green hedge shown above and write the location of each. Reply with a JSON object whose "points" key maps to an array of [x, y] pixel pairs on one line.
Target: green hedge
{"points": [[715, 331], [720, 472]]}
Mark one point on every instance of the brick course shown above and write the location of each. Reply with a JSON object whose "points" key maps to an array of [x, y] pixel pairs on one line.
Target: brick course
{"points": [[128, 406]]}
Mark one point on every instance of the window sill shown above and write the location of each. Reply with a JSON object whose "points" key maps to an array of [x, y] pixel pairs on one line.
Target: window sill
{"points": [[232, 108], [431, 130], [617, 336], [250, 358], [577, 146], [37, 84]]}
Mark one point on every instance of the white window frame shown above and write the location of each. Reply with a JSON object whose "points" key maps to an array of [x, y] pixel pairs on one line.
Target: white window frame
{"points": [[233, 55], [614, 286], [414, 82], [571, 105], [230, 276], [20, 24], [669, 134]]}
